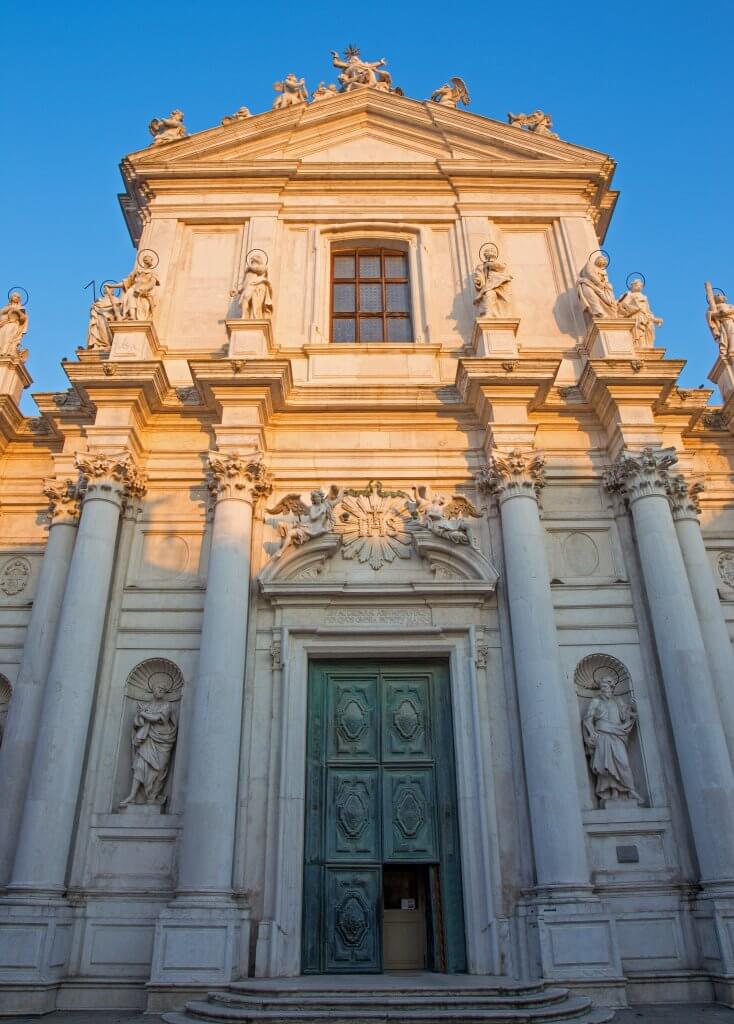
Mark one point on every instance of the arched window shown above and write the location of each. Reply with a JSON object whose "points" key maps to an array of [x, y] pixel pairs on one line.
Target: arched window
{"points": [[370, 295]]}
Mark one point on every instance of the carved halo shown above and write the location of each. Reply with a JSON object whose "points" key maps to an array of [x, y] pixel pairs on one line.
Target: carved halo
{"points": [[488, 251], [24, 298], [6, 691], [262, 253], [115, 285], [593, 667], [140, 682], [636, 275], [719, 292], [148, 252], [601, 252]]}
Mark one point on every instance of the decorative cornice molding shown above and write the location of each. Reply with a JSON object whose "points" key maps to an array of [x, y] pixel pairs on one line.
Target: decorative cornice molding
{"points": [[64, 500], [234, 475], [102, 473], [641, 474], [514, 473], [683, 496]]}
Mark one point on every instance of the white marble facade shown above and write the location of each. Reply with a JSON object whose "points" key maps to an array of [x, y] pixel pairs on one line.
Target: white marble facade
{"points": [[224, 492]]}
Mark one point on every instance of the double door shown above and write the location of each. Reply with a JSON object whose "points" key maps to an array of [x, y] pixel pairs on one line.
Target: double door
{"points": [[380, 795]]}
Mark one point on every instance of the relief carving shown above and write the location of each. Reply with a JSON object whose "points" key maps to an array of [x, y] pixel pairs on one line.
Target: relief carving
{"points": [[369, 616], [442, 517], [15, 576], [374, 525], [725, 565], [6, 692], [311, 521]]}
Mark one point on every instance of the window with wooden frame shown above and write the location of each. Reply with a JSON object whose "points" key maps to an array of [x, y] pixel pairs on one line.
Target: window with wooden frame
{"points": [[370, 296]]}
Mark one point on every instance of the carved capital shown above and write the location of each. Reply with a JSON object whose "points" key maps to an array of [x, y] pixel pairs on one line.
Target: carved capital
{"points": [[683, 496], [64, 500], [641, 474], [233, 475], [509, 474], [102, 475]]}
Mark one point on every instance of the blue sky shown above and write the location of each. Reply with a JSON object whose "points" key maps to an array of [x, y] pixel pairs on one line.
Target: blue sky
{"points": [[649, 83]]}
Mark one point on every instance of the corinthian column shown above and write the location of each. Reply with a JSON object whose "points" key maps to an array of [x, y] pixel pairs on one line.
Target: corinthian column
{"points": [[16, 753], [700, 743], [685, 507], [558, 837], [203, 910], [47, 826]]}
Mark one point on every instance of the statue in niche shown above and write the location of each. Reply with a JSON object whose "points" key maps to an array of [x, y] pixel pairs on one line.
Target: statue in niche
{"points": [[492, 284], [168, 129], [444, 518], [607, 726], [13, 325], [255, 294], [451, 94], [104, 309], [356, 72], [239, 115], [292, 91], [138, 289], [538, 123], [153, 738], [635, 305], [594, 290], [323, 92], [312, 520], [719, 317]]}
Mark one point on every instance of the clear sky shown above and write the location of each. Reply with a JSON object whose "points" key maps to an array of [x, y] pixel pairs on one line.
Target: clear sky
{"points": [[650, 83]]}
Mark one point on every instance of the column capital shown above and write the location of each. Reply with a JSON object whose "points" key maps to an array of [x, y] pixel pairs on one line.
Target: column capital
{"points": [[110, 475], [683, 496], [514, 473], [641, 474], [64, 500], [238, 475]]}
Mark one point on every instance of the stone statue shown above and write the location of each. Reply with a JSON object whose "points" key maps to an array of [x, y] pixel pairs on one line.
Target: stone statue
{"points": [[635, 305], [445, 518], [168, 129], [292, 91], [138, 290], [107, 307], [153, 739], [357, 72], [607, 725], [449, 95], [255, 294], [311, 522], [538, 122], [13, 325], [239, 115], [492, 284], [594, 290], [323, 92], [719, 317]]}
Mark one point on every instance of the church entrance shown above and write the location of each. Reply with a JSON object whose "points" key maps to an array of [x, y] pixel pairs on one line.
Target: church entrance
{"points": [[382, 875]]}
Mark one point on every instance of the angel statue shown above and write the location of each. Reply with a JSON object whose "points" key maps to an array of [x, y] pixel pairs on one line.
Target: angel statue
{"points": [[594, 290], [168, 129], [292, 91], [492, 284], [356, 71], [319, 517], [538, 123], [153, 739], [444, 518], [608, 725], [138, 289], [635, 305], [323, 92], [451, 95], [13, 325], [719, 317], [255, 294]]}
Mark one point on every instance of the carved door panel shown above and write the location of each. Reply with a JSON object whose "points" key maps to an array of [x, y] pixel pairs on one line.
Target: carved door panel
{"points": [[353, 719], [409, 816], [352, 815], [353, 934], [406, 727]]}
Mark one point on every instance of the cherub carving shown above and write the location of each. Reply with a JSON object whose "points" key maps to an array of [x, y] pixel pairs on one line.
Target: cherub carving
{"points": [[449, 95], [292, 91], [357, 72], [720, 318], [635, 305], [168, 129], [13, 325], [312, 520], [538, 122], [255, 294], [443, 517], [323, 92]]}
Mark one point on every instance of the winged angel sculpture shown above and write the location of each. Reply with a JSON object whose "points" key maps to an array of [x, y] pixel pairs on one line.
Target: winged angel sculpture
{"points": [[310, 521], [447, 519]]}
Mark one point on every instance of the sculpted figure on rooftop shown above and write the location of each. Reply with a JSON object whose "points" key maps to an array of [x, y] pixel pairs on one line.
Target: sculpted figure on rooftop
{"points": [[239, 115], [168, 129], [292, 91], [13, 325], [356, 71], [256, 292], [492, 284], [635, 305], [594, 290], [104, 309], [538, 122], [720, 318], [323, 92], [138, 289], [449, 95]]}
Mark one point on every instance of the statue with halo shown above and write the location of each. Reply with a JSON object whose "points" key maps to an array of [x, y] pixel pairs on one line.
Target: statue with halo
{"points": [[720, 318]]}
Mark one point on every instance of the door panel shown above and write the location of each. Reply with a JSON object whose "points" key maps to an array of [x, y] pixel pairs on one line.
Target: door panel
{"points": [[409, 815], [353, 900], [352, 824], [353, 719], [406, 728]]}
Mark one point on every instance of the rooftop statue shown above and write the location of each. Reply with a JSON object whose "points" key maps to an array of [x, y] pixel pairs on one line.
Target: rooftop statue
{"points": [[635, 305], [256, 292], [720, 318], [168, 129], [492, 284], [357, 72], [239, 115], [323, 92], [104, 309], [594, 290], [449, 95], [538, 122], [138, 288], [292, 91], [13, 325]]}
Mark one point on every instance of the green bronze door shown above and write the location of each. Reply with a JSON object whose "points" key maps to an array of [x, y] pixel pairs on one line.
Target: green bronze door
{"points": [[379, 790]]}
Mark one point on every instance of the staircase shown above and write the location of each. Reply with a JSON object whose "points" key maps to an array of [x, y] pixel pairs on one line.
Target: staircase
{"points": [[405, 999]]}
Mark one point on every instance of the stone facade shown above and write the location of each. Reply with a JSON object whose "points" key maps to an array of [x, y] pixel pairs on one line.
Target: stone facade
{"points": [[224, 493]]}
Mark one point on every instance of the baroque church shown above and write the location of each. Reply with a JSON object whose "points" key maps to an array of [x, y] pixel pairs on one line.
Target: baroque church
{"points": [[366, 598]]}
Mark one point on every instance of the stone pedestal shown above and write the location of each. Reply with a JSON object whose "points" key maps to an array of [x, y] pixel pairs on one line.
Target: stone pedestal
{"points": [[495, 336], [610, 339], [13, 377], [35, 942], [134, 339], [249, 339], [722, 374]]}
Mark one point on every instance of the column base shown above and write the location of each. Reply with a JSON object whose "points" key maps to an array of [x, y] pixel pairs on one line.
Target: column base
{"points": [[577, 939], [200, 942], [35, 943], [713, 914]]}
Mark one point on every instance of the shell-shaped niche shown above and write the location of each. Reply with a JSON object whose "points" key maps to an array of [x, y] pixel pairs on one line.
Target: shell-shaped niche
{"points": [[595, 667], [155, 672]]}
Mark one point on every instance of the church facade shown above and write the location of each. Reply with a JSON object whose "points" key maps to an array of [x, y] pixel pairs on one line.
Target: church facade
{"points": [[366, 599]]}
